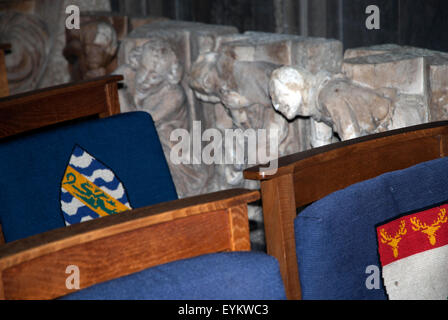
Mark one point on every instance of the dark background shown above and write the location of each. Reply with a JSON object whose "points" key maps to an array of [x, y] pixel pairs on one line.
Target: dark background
{"points": [[421, 23]]}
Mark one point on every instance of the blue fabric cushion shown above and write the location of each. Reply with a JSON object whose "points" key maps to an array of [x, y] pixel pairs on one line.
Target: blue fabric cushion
{"points": [[336, 236], [218, 276], [32, 167]]}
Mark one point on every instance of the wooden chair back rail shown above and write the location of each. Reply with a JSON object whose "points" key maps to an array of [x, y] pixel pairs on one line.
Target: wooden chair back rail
{"points": [[27, 111], [308, 176], [4, 88], [2, 238], [115, 246]]}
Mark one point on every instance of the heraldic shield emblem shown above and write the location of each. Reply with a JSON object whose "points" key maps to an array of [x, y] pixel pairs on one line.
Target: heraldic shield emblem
{"points": [[413, 252], [90, 189]]}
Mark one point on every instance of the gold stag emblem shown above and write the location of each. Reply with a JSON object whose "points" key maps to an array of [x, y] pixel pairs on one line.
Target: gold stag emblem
{"points": [[393, 241], [431, 230]]}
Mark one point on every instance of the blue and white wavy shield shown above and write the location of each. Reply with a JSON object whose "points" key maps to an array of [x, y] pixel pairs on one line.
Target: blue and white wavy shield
{"points": [[90, 189]]}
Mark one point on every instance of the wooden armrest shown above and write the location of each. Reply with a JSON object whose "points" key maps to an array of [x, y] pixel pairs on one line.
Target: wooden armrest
{"points": [[118, 245], [35, 109], [4, 89], [308, 176]]}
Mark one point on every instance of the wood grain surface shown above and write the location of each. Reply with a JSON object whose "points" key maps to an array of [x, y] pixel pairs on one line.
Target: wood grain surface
{"points": [[31, 110], [114, 246], [4, 88]]}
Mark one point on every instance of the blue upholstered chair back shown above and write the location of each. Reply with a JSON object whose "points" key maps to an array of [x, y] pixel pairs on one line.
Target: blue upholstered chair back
{"points": [[32, 168], [336, 236]]}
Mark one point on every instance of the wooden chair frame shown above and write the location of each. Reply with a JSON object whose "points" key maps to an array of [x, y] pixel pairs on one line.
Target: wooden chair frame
{"points": [[307, 176], [118, 245], [4, 88]]}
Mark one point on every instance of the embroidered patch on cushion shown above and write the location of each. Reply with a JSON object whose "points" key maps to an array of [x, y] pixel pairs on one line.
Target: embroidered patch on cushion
{"points": [[90, 189], [413, 251]]}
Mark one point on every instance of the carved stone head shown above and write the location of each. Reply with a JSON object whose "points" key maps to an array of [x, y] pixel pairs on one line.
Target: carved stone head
{"points": [[99, 44], [211, 76], [290, 90], [155, 65]]}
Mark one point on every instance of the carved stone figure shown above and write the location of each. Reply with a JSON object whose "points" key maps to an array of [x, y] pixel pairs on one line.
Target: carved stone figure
{"points": [[410, 70], [227, 84], [36, 31], [91, 50], [334, 101], [152, 79], [30, 41], [187, 40], [153, 84], [242, 88]]}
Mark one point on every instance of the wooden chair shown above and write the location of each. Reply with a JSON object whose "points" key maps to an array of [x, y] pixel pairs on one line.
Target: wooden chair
{"points": [[4, 89], [308, 176], [176, 230]]}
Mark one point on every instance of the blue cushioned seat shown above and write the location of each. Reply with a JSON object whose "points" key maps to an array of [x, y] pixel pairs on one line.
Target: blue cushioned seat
{"points": [[219, 276], [32, 168], [336, 237]]}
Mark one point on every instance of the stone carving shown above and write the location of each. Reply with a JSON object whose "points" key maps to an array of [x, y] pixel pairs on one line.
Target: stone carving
{"points": [[238, 93], [409, 70], [30, 40], [217, 77], [91, 51], [187, 40], [236, 74], [152, 79], [311, 53], [36, 31], [335, 101], [381, 88], [234, 77], [57, 71], [242, 88], [226, 85]]}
